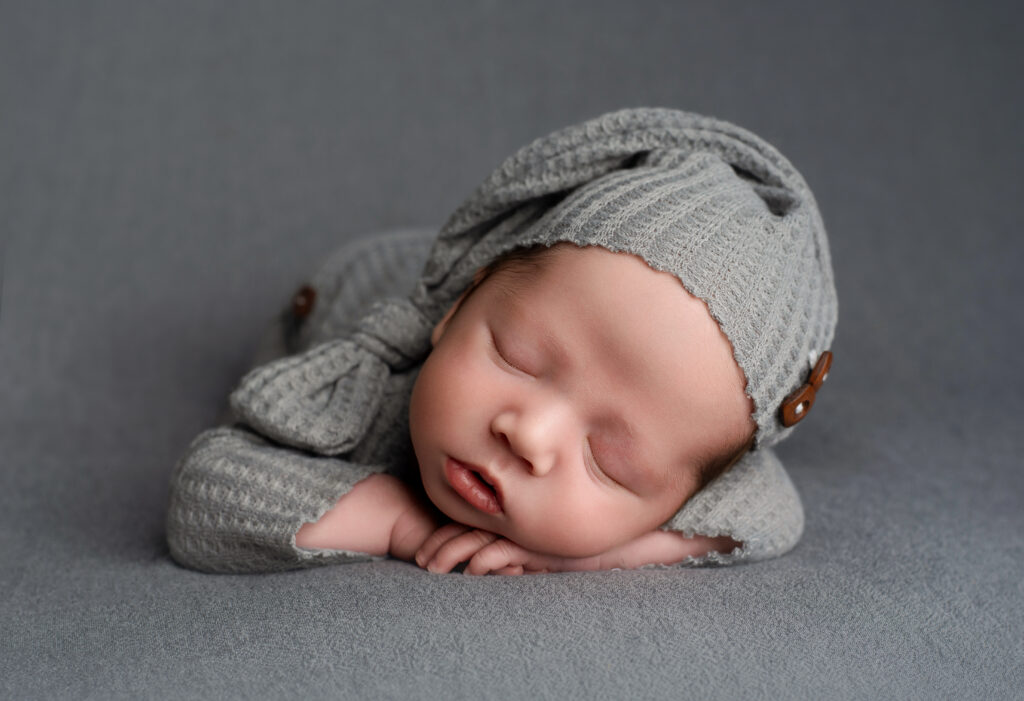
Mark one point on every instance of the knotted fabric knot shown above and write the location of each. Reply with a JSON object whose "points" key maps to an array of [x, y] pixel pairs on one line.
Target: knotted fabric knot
{"points": [[325, 399]]}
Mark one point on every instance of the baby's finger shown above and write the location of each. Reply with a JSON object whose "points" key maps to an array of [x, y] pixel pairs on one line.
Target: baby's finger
{"points": [[497, 556], [436, 539], [458, 549], [510, 570]]}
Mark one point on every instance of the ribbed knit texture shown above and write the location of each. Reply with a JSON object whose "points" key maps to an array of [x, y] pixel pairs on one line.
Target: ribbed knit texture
{"points": [[697, 197], [237, 503], [754, 503]]}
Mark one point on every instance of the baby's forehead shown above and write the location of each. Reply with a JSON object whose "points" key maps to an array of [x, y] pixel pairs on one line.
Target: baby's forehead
{"points": [[591, 273], [616, 298]]}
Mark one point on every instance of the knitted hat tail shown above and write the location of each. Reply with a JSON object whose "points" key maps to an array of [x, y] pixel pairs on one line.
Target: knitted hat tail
{"points": [[538, 173], [584, 152]]}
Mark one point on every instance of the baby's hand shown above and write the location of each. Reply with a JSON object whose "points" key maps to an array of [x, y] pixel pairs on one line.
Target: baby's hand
{"points": [[454, 543], [487, 553]]}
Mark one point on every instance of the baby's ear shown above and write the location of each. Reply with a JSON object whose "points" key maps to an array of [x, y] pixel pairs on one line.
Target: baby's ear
{"points": [[442, 325]]}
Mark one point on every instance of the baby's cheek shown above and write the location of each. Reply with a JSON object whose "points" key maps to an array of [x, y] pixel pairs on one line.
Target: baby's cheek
{"points": [[577, 526], [455, 376], [426, 409]]}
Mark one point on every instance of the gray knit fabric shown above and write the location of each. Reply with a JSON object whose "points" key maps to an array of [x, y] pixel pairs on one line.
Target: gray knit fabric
{"points": [[695, 196], [237, 502]]}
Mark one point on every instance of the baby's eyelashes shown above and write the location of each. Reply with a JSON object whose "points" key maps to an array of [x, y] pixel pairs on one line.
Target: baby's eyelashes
{"points": [[595, 466]]}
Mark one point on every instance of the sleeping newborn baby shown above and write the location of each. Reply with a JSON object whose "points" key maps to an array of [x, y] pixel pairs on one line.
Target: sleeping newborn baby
{"points": [[607, 338], [573, 400]]}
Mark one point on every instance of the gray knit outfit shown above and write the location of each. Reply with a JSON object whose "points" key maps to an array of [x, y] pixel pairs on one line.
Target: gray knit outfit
{"points": [[697, 197]]}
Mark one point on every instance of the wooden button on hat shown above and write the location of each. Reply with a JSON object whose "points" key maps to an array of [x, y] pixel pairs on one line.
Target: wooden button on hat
{"points": [[797, 404]]}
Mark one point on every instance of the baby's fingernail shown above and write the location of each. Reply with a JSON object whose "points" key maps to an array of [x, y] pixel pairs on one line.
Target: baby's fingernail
{"points": [[419, 559]]}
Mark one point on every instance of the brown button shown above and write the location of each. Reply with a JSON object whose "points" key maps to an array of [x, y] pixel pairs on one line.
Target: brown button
{"points": [[302, 302], [797, 404]]}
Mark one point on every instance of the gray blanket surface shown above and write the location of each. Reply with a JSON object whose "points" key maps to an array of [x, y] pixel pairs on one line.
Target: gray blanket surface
{"points": [[171, 173]]}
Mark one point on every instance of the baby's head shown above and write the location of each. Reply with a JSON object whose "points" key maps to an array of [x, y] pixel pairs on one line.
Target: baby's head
{"points": [[668, 309], [574, 399]]}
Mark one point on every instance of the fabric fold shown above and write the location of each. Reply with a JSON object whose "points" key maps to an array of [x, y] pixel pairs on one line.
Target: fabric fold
{"points": [[755, 503], [322, 400]]}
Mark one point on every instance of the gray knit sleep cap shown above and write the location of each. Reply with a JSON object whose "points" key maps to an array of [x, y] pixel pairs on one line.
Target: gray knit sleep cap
{"points": [[694, 196]]}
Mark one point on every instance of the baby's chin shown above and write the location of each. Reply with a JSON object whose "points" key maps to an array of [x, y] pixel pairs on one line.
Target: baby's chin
{"points": [[560, 544], [566, 546], [554, 542]]}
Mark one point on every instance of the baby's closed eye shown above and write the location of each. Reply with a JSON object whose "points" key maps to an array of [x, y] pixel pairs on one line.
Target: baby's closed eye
{"points": [[504, 356]]}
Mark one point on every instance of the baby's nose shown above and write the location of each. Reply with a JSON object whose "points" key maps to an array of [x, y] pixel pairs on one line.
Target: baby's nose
{"points": [[534, 436]]}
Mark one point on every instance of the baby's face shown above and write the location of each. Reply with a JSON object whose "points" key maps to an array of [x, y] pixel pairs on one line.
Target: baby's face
{"points": [[568, 409]]}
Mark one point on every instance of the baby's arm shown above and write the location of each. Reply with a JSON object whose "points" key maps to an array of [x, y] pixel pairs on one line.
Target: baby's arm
{"points": [[379, 516], [489, 553], [237, 501]]}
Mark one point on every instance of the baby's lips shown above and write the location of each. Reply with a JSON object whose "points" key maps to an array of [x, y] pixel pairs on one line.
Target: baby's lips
{"points": [[487, 479], [474, 490]]}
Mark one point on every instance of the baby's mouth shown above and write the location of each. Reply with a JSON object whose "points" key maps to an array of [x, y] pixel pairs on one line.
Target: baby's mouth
{"points": [[472, 486]]}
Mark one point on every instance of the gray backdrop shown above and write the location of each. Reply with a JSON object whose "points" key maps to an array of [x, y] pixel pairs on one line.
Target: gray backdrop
{"points": [[169, 173]]}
